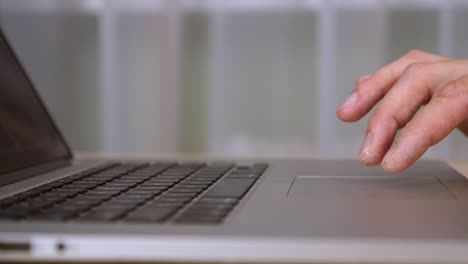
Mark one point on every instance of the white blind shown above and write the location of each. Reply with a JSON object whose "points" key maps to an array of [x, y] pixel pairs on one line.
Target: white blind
{"points": [[221, 77]]}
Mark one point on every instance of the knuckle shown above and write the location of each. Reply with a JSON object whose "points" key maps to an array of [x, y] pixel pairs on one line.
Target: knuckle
{"points": [[397, 121], [421, 75], [359, 89], [415, 54], [457, 89], [381, 117], [416, 69]]}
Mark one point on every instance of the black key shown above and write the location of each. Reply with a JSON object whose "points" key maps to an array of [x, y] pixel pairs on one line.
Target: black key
{"points": [[240, 175], [214, 200], [114, 207], [63, 194], [182, 169], [134, 177], [131, 196], [106, 174], [8, 201], [156, 190], [54, 214], [83, 185], [89, 196], [64, 181], [104, 190], [150, 215], [215, 174], [53, 196], [199, 180], [92, 182], [191, 186], [31, 205], [87, 202], [155, 184], [52, 200], [230, 187], [143, 192], [195, 183], [66, 206], [35, 191], [199, 220], [116, 184], [203, 178], [182, 187], [204, 206], [147, 188], [70, 191], [103, 193], [162, 181], [128, 181], [129, 201], [157, 204], [205, 175], [19, 197], [204, 183], [13, 213], [190, 191], [175, 200], [182, 195], [77, 176], [145, 174], [204, 213], [111, 188], [107, 215], [176, 172], [53, 184], [170, 177]]}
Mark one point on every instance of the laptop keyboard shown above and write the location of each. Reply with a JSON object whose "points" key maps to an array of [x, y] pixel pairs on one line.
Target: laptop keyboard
{"points": [[129, 192]]}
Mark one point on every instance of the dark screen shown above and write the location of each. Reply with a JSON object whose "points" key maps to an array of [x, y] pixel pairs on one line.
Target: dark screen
{"points": [[28, 137]]}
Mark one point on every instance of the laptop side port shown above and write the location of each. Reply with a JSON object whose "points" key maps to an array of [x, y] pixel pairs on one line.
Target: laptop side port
{"points": [[10, 246]]}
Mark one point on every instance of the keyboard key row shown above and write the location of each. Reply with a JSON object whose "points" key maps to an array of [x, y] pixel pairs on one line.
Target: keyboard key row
{"points": [[137, 192]]}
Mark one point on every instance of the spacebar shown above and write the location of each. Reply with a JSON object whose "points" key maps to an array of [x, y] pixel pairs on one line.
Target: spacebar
{"points": [[230, 187]]}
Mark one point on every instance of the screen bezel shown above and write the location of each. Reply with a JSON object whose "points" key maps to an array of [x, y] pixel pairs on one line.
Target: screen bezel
{"points": [[41, 166]]}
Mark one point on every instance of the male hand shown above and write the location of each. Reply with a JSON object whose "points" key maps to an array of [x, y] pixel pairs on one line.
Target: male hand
{"points": [[403, 87]]}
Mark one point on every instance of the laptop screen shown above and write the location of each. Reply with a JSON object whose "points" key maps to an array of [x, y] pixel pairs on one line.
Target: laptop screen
{"points": [[28, 136]]}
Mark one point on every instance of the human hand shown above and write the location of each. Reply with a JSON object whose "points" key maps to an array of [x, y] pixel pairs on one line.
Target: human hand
{"points": [[402, 87]]}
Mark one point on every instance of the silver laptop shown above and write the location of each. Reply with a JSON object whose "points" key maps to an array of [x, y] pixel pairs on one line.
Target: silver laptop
{"points": [[53, 207]]}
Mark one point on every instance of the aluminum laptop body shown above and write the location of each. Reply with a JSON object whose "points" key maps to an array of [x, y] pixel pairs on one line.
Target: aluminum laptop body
{"points": [[294, 211]]}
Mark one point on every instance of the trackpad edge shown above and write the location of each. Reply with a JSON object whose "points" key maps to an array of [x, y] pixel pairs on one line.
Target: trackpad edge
{"points": [[367, 187]]}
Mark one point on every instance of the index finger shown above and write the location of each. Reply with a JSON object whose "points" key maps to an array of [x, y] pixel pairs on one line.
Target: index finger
{"points": [[370, 90], [446, 110]]}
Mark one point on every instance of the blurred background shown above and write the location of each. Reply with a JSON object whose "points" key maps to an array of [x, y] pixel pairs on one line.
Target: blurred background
{"points": [[230, 77]]}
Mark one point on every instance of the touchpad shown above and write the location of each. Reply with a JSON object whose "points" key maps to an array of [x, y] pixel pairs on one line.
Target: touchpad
{"points": [[362, 187]]}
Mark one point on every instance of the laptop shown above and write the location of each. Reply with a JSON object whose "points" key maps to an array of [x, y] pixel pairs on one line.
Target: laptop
{"points": [[54, 207]]}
